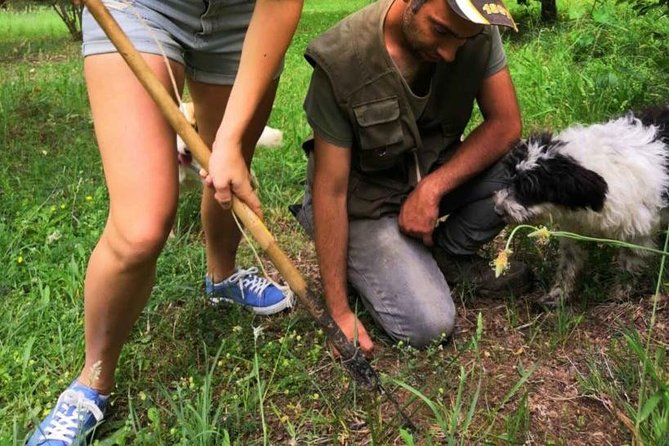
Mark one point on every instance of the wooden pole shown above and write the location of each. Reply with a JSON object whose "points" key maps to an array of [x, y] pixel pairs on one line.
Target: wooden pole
{"points": [[355, 362]]}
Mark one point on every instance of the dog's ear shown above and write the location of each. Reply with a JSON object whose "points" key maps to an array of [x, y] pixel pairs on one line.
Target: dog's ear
{"points": [[659, 117], [580, 187], [561, 181], [552, 177]]}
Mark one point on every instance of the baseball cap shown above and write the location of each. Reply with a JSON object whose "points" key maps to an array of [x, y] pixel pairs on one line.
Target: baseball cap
{"points": [[484, 12]]}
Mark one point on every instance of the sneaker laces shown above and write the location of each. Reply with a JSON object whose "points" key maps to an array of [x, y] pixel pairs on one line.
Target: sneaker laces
{"points": [[64, 427], [249, 278], [285, 289]]}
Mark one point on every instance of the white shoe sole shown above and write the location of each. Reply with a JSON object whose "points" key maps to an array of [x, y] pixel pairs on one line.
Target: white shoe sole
{"points": [[288, 302]]}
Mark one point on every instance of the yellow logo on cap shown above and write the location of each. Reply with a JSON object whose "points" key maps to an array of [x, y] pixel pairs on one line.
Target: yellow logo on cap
{"points": [[494, 8]]}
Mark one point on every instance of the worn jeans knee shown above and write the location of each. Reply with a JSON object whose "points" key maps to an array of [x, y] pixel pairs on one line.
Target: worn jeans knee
{"points": [[429, 325], [399, 282]]}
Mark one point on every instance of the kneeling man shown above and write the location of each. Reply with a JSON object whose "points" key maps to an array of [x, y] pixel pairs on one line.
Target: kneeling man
{"points": [[392, 91]]}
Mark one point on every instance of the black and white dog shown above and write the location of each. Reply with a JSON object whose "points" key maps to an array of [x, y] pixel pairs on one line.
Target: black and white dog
{"points": [[605, 180]]}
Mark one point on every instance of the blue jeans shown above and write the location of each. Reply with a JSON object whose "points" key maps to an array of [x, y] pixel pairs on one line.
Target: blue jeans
{"points": [[396, 276]]}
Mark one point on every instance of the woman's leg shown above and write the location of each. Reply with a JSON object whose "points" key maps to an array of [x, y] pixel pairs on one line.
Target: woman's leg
{"points": [[137, 148], [221, 233]]}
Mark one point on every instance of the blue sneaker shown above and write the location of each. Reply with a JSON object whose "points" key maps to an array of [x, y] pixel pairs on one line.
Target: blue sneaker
{"points": [[77, 413], [246, 288]]}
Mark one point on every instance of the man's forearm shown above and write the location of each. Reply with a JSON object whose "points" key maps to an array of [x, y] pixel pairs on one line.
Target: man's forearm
{"points": [[489, 141], [331, 237], [482, 148]]}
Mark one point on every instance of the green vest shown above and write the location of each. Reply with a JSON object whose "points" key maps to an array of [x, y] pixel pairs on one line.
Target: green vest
{"points": [[392, 148]]}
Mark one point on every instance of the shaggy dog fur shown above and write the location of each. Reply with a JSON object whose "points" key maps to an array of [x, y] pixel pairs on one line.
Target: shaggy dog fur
{"points": [[605, 180]]}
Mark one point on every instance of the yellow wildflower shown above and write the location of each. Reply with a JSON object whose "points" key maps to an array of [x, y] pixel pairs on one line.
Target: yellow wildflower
{"points": [[89, 198], [501, 263], [19, 259], [542, 235]]}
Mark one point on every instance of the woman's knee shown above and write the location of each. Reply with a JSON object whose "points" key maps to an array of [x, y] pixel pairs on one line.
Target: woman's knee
{"points": [[139, 241]]}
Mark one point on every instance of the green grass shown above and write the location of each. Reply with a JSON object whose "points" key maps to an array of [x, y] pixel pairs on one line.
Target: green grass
{"points": [[32, 24], [192, 374]]}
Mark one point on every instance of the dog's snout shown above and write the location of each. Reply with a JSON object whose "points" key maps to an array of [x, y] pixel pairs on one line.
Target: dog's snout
{"points": [[498, 200], [504, 205]]}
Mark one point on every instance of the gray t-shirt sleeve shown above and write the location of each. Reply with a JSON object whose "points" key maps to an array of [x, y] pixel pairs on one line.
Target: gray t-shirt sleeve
{"points": [[323, 113], [497, 59]]}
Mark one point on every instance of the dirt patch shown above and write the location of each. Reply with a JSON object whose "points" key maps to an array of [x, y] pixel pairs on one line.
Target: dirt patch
{"points": [[518, 337]]}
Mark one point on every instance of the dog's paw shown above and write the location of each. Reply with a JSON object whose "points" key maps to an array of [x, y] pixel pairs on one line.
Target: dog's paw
{"points": [[553, 299]]}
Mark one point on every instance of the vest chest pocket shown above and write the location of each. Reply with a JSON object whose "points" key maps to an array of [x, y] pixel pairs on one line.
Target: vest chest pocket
{"points": [[380, 133]]}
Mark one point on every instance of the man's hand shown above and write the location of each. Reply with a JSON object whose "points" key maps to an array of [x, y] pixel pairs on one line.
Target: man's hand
{"points": [[228, 175], [354, 332], [419, 213]]}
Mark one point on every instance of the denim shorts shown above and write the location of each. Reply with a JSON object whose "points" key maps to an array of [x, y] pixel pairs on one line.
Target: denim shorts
{"points": [[205, 36]]}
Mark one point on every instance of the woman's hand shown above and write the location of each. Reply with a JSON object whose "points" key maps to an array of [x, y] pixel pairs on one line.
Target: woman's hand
{"points": [[228, 174]]}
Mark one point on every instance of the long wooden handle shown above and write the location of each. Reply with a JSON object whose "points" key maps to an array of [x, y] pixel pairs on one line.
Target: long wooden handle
{"points": [[357, 365]]}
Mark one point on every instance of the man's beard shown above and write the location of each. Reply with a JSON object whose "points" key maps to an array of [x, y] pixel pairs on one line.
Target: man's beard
{"points": [[411, 36]]}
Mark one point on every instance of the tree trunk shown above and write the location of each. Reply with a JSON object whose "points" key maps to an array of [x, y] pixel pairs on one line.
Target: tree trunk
{"points": [[71, 16], [548, 11]]}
